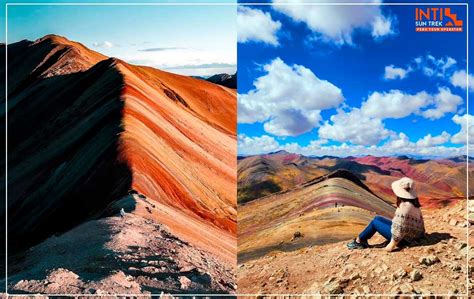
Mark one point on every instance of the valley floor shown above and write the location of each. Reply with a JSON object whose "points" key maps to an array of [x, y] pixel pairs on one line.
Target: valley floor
{"points": [[435, 266]]}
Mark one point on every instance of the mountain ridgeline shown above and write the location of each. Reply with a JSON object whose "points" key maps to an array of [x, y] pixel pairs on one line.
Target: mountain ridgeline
{"points": [[85, 130], [440, 181]]}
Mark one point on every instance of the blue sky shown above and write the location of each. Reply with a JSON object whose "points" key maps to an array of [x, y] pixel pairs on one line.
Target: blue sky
{"points": [[191, 40], [325, 80]]}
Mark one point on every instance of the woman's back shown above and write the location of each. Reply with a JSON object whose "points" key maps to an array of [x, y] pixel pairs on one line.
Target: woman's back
{"points": [[407, 224]]}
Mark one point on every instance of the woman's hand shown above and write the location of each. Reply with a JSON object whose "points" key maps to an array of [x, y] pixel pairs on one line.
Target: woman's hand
{"points": [[391, 246]]}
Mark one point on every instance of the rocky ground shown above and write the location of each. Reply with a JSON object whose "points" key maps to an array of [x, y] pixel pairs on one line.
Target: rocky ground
{"points": [[435, 266], [112, 255]]}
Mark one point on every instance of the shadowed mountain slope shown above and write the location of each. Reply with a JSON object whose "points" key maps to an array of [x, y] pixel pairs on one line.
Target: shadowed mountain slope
{"points": [[64, 160], [266, 174]]}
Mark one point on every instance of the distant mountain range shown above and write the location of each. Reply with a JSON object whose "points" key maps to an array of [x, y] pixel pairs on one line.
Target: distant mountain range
{"points": [[460, 158], [226, 80], [439, 179]]}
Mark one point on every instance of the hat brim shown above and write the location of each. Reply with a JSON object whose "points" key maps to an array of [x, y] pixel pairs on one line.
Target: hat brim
{"points": [[400, 192]]}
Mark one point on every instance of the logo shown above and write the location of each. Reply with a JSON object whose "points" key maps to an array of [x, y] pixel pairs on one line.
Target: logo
{"points": [[437, 19]]}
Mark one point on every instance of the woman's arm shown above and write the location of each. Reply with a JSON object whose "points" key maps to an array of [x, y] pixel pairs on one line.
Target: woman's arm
{"points": [[398, 229], [391, 246]]}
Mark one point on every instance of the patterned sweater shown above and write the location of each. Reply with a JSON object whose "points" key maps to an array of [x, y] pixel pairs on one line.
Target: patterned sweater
{"points": [[407, 224]]}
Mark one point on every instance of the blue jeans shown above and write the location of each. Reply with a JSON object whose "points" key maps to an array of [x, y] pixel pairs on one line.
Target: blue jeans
{"points": [[379, 224]]}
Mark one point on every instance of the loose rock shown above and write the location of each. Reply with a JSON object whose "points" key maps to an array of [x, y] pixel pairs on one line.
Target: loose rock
{"points": [[429, 260], [415, 275]]}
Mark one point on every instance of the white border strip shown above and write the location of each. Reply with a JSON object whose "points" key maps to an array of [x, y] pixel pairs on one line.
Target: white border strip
{"points": [[6, 148], [230, 4], [467, 152]]}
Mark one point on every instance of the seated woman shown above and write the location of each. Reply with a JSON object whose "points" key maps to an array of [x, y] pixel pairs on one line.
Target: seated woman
{"points": [[406, 225]]}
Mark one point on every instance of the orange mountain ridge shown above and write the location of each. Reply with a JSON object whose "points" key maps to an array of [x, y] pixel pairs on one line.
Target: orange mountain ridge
{"points": [[85, 129]]}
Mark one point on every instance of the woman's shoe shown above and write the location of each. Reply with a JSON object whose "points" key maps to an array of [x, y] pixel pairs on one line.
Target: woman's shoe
{"points": [[356, 245]]}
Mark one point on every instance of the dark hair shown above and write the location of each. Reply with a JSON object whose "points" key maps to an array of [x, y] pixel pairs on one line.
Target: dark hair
{"points": [[414, 201]]}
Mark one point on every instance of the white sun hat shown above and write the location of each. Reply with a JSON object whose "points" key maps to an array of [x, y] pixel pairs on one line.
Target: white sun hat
{"points": [[404, 188]]}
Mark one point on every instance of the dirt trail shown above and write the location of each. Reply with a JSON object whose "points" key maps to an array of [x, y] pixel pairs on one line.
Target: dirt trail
{"points": [[112, 255], [435, 266]]}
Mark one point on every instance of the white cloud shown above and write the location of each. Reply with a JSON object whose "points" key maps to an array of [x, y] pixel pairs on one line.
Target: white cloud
{"points": [[292, 122], [186, 60], [429, 140], [337, 23], [426, 146], [256, 25], [364, 126], [428, 65], [427, 71], [396, 104], [444, 102], [382, 26], [392, 72], [459, 79], [465, 121], [354, 127], [256, 145], [398, 142], [441, 64], [448, 63], [288, 99], [431, 66], [104, 44], [396, 145]]}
